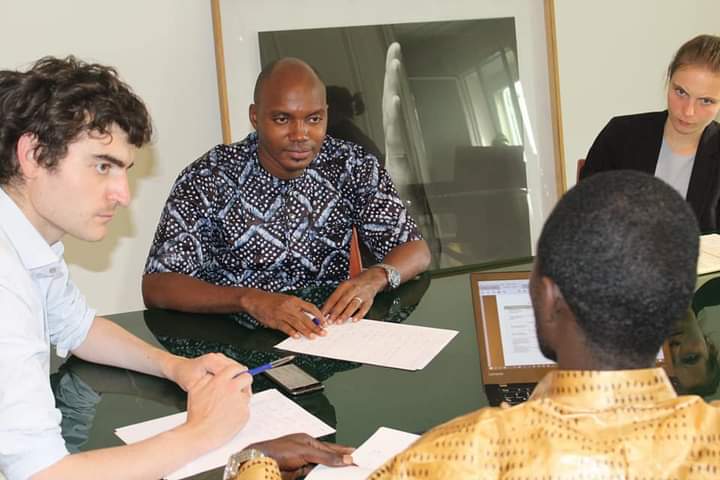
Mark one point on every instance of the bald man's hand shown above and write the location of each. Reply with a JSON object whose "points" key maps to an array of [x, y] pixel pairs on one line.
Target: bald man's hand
{"points": [[286, 313]]}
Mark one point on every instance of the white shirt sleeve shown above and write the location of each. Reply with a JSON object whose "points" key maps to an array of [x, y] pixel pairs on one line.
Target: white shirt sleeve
{"points": [[68, 316], [30, 437]]}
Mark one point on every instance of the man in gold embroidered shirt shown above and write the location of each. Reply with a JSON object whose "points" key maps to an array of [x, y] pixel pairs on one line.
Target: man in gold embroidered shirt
{"points": [[615, 268]]}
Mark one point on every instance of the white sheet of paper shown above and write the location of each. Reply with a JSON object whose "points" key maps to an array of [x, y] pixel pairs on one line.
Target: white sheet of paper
{"points": [[271, 415], [382, 445], [410, 347], [709, 258]]}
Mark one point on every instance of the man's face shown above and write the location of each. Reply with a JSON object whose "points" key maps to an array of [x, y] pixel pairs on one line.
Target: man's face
{"points": [[693, 99], [689, 352], [291, 119], [540, 309], [80, 196]]}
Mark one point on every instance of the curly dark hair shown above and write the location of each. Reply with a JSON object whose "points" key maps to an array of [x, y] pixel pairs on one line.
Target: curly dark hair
{"points": [[622, 247], [58, 99]]}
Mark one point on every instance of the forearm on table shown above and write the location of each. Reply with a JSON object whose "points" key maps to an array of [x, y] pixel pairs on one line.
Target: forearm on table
{"points": [[182, 292], [155, 457], [108, 343]]}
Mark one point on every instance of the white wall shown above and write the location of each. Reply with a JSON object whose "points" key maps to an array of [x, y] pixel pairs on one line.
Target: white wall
{"points": [[164, 50], [612, 57]]}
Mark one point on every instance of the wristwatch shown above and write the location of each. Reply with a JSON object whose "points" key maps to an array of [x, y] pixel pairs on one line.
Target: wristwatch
{"points": [[237, 459], [392, 274]]}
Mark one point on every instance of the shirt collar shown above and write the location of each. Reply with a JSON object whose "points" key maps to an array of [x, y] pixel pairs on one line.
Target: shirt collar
{"points": [[602, 390], [31, 247]]}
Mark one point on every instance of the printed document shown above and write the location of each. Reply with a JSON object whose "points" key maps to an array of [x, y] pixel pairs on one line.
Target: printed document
{"points": [[517, 331], [384, 444], [410, 347], [709, 258], [271, 415]]}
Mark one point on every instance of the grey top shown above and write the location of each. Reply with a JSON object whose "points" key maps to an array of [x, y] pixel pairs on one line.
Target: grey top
{"points": [[674, 169]]}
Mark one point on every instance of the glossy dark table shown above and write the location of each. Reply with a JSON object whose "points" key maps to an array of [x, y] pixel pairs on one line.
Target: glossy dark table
{"points": [[357, 399]]}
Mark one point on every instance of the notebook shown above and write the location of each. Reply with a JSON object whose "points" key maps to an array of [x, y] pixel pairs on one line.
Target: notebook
{"points": [[510, 358]]}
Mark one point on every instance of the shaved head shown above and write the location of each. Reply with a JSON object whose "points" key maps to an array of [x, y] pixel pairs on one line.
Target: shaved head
{"points": [[289, 114], [286, 65]]}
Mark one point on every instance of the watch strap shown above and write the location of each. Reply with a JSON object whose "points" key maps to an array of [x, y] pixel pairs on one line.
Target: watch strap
{"points": [[237, 460]]}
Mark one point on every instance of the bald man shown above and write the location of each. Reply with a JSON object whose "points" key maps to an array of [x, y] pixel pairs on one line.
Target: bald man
{"points": [[274, 212]]}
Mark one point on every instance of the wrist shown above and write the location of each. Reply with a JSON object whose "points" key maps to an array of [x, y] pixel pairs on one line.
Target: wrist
{"points": [[247, 298], [169, 365], [376, 278]]}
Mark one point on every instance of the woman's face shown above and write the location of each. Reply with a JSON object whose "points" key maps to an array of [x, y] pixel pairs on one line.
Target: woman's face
{"points": [[693, 99]]}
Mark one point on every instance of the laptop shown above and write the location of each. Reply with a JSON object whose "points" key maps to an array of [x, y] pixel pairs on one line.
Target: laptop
{"points": [[510, 358]]}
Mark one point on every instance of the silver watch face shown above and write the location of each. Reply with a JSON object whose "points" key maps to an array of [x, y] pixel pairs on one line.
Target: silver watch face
{"points": [[393, 276]]}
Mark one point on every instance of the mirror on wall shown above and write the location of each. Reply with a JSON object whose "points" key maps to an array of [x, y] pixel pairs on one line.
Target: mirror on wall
{"points": [[441, 105]]}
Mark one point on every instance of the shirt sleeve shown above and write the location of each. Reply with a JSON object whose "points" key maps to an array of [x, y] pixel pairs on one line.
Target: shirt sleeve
{"points": [[184, 235], [30, 438], [259, 469], [69, 317], [384, 222]]}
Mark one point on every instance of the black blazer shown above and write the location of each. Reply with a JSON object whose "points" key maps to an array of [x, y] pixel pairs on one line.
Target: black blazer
{"points": [[633, 142]]}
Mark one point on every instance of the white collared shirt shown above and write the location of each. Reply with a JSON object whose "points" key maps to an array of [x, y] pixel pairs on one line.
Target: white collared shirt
{"points": [[39, 305]]}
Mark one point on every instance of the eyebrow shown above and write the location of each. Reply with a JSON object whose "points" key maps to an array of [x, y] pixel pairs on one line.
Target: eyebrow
{"points": [[115, 161], [290, 114]]}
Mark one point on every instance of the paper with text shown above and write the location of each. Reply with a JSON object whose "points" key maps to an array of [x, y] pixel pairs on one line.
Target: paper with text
{"points": [[410, 347], [271, 415], [517, 331], [709, 258], [382, 445]]}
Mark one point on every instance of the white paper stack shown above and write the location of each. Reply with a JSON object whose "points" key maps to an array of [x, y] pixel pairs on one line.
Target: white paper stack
{"points": [[410, 347], [271, 415]]}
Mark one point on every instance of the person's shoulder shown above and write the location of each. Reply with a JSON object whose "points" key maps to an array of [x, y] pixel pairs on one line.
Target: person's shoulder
{"points": [[336, 149], [485, 422], [222, 158], [11, 266], [638, 119]]}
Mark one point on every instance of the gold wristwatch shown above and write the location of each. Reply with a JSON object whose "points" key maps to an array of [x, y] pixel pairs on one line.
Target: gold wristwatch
{"points": [[237, 459]]}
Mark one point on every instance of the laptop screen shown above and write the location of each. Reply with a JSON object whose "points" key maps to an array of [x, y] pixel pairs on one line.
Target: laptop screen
{"points": [[505, 327]]}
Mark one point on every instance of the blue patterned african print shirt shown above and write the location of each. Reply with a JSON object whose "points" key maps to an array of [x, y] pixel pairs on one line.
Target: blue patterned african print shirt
{"points": [[229, 222]]}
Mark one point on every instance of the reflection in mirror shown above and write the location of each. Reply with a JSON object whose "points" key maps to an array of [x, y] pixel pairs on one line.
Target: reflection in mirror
{"points": [[442, 105], [693, 344]]}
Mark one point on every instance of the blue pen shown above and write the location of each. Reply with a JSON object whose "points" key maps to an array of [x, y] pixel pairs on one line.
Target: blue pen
{"points": [[273, 364]]}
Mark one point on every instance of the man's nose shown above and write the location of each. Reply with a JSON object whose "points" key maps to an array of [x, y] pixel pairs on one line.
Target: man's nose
{"points": [[298, 130], [120, 191]]}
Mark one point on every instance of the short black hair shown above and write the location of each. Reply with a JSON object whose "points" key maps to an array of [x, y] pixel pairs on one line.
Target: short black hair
{"points": [[622, 248], [270, 67], [56, 100]]}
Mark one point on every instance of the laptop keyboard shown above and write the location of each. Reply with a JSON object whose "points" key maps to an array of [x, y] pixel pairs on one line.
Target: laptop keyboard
{"points": [[516, 393]]}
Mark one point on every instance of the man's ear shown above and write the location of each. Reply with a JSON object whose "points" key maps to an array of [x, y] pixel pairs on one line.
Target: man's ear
{"points": [[553, 303], [26, 151], [252, 113]]}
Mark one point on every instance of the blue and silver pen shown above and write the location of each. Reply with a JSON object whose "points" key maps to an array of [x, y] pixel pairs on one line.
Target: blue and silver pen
{"points": [[273, 364]]}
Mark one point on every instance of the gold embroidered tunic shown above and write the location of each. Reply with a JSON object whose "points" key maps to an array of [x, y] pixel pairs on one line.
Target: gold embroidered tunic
{"points": [[577, 424]]}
